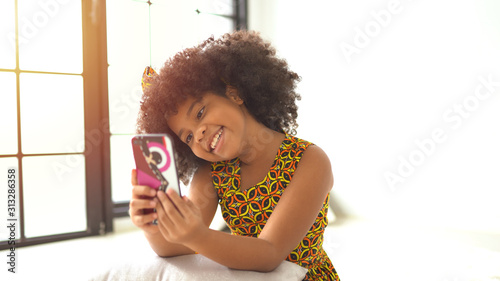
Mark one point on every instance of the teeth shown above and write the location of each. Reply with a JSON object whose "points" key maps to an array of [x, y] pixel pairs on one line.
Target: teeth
{"points": [[216, 139]]}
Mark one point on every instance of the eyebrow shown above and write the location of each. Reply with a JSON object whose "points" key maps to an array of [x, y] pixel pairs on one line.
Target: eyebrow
{"points": [[189, 112], [192, 105]]}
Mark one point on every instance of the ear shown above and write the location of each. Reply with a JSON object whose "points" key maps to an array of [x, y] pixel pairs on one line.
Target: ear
{"points": [[233, 94]]}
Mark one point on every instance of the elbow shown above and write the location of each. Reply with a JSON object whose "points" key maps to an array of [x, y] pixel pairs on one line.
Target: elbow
{"points": [[170, 252], [270, 263], [164, 254], [261, 263], [270, 257], [270, 267]]}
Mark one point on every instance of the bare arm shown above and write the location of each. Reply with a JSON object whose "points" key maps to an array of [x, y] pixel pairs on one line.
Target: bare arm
{"points": [[287, 226], [201, 193]]}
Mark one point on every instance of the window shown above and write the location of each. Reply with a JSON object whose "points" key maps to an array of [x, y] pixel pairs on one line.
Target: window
{"points": [[67, 118], [157, 31], [49, 80]]}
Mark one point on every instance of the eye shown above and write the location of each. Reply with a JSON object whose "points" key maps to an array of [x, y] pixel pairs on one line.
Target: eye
{"points": [[200, 113], [189, 138]]}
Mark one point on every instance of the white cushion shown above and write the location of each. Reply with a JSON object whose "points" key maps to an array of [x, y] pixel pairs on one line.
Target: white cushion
{"points": [[192, 267]]}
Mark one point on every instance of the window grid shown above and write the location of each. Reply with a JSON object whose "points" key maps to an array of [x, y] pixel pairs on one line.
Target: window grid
{"points": [[92, 53], [101, 209]]}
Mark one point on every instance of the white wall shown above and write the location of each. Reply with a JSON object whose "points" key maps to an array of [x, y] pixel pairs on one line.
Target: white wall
{"points": [[396, 89]]}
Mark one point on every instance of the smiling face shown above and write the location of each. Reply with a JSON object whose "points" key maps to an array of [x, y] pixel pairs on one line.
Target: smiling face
{"points": [[213, 126]]}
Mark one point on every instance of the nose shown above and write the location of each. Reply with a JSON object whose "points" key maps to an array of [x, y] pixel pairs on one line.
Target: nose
{"points": [[200, 133]]}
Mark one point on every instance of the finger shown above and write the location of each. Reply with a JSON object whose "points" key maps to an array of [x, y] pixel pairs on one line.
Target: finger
{"points": [[186, 206], [134, 177], [178, 201], [137, 205], [169, 207], [141, 220], [141, 191], [149, 227], [164, 221], [164, 201]]}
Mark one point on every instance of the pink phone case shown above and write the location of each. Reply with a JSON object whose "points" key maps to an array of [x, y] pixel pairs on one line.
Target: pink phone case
{"points": [[155, 164], [154, 160]]}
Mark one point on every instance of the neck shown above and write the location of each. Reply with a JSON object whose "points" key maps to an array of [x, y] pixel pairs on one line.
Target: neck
{"points": [[261, 143]]}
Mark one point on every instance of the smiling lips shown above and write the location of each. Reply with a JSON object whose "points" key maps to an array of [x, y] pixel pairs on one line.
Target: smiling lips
{"points": [[216, 139]]}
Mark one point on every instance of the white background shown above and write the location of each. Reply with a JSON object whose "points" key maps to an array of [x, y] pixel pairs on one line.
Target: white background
{"points": [[410, 68]]}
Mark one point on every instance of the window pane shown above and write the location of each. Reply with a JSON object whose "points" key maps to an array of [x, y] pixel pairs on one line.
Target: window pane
{"points": [[122, 31], [126, 64], [51, 113], [5, 165], [165, 17], [8, 113], [50, 36], [7, 29], [122, 162], [125, 93], [210, 21], [219, 7], [54, 191]]}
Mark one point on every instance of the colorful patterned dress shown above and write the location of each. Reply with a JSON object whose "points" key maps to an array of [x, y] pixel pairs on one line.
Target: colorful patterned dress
{"points": [[246, 212]]}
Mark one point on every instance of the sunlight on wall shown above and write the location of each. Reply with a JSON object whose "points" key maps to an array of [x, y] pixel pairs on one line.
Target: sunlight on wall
{"points": [[404, 97]]}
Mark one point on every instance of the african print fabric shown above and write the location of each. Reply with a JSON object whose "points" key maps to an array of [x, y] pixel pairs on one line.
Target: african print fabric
{"points": [[246, 212]]}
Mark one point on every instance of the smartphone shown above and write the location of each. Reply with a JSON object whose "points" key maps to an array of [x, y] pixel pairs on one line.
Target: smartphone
{"points": [[155, 163]]}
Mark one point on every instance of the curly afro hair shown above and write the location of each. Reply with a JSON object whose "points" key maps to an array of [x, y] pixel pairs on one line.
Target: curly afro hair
{"points": [[241, 59]]}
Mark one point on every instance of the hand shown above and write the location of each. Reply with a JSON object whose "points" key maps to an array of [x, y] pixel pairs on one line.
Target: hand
{"points": [[179, 219], [142, 205]]}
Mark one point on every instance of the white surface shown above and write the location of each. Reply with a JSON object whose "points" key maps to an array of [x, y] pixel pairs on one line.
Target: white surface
{"points": [[360, 251], [192, 267]]}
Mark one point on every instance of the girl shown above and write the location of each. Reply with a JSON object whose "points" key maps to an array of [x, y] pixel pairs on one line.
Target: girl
{"points": [[230, 106]]}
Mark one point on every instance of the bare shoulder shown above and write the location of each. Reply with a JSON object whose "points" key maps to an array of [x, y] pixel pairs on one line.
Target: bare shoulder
{"points": [[315, 166], [316, 153]]}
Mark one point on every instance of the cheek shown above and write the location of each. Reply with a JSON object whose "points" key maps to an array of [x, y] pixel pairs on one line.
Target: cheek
{"points": [[234, 117]]}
